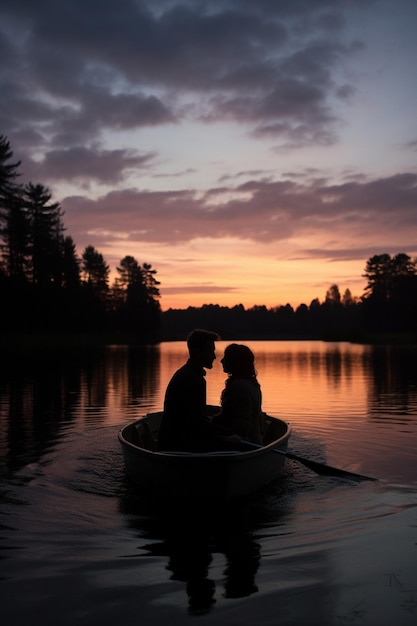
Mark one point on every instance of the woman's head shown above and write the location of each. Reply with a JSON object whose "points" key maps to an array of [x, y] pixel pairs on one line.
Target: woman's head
{"points": [[239, 360]]}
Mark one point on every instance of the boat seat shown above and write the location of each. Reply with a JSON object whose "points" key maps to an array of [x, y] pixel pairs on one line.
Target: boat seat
{"points": [[145, 437], [134, 437], [273, 431]]}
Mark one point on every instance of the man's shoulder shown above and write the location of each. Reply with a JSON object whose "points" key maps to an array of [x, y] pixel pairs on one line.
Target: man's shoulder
{"points": [[187, 371]]}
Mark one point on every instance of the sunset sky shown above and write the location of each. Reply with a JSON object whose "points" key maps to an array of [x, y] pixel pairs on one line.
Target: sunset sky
{"points": [[253, 151]]}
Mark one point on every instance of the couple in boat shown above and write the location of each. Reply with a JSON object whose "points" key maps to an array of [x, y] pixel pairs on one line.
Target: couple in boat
{"points": [[186, 426]]}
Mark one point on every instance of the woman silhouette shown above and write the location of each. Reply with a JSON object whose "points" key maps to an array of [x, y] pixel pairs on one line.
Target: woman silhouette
{"points": [[241, 398]]}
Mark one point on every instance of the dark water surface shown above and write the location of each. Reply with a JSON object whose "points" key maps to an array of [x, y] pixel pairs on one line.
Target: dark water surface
{"points": [[79, 544]]}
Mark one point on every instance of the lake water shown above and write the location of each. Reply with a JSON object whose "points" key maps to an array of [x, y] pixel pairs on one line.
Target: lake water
{"points": [[80, 545]]}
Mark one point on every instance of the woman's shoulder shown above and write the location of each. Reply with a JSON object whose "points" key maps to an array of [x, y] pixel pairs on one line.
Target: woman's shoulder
{"points": [[243, 384]]}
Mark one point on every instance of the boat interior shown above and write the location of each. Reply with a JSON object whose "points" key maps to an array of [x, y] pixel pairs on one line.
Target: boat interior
{"points": [[144, 432]]}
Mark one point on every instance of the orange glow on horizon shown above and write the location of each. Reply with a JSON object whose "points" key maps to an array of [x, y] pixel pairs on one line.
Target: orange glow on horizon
{"points": [[231, 272]]}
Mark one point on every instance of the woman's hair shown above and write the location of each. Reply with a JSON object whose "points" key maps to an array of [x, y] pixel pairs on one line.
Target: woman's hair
{"points": [[239, 361]]}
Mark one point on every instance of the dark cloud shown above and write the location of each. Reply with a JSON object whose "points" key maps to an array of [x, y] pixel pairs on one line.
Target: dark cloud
{"points": [[189, 170], [412, 145], [76, 69], [84, 165], [246, 174], [259, 211], [355, 253]]}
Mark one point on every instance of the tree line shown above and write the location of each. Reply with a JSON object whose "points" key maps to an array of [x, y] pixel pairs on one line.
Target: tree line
{"points": [[388, 306], [45, 286]]}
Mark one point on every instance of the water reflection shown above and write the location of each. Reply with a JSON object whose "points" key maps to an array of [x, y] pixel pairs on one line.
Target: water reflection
{"points": [[351, 406], [392, 381], [312, 384], [188, 536], [39, 393]]}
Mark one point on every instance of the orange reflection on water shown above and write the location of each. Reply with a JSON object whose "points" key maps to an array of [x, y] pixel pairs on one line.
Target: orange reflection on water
{"points": [[359, 403], [303, 379]]}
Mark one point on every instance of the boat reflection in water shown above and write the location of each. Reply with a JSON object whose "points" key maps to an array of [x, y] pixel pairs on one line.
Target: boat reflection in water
{"points": [[210, 549], [204, 511]]}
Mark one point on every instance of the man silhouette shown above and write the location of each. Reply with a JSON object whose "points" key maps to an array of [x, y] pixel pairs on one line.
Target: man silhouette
{"points": [[185, 425]]}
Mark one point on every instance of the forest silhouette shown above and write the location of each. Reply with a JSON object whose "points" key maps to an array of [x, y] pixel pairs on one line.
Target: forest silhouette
{"points": [[46, 288]]}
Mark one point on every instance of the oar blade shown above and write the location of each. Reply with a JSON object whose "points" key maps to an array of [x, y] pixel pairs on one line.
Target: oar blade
{"points": [[326, 470], [315, 466]]}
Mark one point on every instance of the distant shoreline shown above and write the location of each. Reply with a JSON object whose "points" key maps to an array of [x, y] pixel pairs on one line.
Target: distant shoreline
{"points": [[20, 342]]}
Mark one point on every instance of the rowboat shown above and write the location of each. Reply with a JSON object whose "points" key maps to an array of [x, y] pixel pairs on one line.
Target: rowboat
{"points": [[222, 475]]}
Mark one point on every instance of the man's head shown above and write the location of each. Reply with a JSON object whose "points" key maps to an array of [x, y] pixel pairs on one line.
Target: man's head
{"points": [[201, 347]]}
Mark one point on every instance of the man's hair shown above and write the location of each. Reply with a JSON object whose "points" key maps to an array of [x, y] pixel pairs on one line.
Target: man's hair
{"points": [[198, 338]]}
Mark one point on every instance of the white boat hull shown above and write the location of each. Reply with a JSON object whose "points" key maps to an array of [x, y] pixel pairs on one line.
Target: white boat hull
{"points": [[221, 475]]}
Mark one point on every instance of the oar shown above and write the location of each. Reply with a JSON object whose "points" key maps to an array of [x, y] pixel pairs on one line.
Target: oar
{"points": [[319, 468]]}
